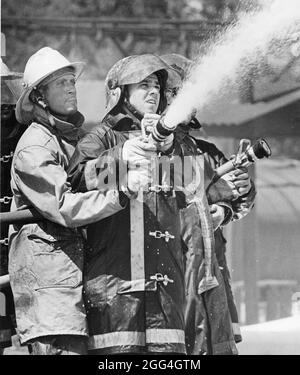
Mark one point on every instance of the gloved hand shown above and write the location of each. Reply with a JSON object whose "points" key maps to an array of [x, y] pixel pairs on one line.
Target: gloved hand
{"points": [[138, 179], [138, 150], [222, 190], [148, 122], [230, 186], [218, 215], [240, 179]]}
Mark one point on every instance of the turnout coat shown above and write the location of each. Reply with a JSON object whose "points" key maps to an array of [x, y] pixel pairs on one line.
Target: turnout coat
{"points": [[134, 279], [46, 258], [8, 145], [211, 316], [134, 273]]}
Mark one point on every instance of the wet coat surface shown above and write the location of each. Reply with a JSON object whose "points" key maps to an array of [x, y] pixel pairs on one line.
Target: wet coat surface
{"points": [[46, 258], [134, 278]]}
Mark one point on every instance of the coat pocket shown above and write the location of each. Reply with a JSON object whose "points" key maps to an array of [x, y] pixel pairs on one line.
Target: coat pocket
{"points": [[56, 263]]}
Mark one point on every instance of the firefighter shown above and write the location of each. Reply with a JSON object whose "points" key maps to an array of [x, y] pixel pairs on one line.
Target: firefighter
{"points": [[134, 275], [11, 131], [205, 333], [46, 258]]}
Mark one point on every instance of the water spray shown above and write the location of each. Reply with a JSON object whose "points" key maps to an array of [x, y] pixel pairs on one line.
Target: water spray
{"points": [[234, 54], [247, 40]]}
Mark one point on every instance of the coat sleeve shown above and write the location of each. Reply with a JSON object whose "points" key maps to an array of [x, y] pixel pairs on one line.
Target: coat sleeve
{"points": [[97, 161], [43, 182]]}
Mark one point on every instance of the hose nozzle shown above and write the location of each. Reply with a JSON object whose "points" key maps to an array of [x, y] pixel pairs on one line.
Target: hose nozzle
{"points": [[161, 130]]}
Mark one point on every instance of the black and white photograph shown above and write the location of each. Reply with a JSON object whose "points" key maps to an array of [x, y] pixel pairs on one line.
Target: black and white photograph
{"points": [[150, 180]]}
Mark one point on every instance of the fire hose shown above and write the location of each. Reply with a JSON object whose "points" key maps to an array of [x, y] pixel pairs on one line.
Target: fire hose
{"points": [[246, 155]]}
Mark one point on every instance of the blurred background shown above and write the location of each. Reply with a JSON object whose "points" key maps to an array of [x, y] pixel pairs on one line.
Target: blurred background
{"points": [[264, 248]]}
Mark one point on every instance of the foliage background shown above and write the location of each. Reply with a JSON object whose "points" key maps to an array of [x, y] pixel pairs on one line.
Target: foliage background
{"points": [[97, 49]]}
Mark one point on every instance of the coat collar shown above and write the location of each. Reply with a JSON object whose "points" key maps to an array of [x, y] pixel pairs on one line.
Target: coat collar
{"points": [[123, 121], [68, 130]]}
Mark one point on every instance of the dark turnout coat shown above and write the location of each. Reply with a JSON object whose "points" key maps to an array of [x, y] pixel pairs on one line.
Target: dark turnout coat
{"points": [[135, 270], [211, 317], [134, 275], [8, 145]]}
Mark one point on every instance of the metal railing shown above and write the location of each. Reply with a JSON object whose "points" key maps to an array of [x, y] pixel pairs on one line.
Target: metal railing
{"points": [[114, 25], [20, 217]]}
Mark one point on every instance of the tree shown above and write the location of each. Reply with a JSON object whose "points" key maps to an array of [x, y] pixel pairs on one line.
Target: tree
{"points": [[98, 49]]}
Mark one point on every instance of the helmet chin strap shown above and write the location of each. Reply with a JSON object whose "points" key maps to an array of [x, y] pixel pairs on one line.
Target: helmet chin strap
{"points": [[133, 110], [45, 107], [50, 117], [37, 97]]}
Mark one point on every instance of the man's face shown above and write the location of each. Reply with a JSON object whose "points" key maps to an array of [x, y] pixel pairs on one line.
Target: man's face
{"points": [[7, 102], [174, 83], [170, 94], [7, 111], [145, 95], [60, 95]]}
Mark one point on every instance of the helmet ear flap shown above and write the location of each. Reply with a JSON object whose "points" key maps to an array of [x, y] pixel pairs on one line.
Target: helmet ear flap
{"points": [[113, 99], [116, 92]]}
